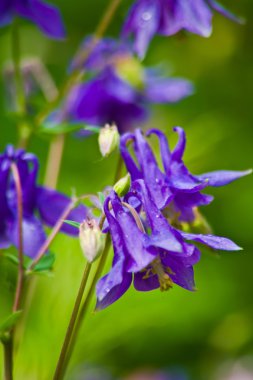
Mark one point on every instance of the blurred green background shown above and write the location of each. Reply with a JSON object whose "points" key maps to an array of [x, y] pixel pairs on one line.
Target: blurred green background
{"points": [[196, 331]]}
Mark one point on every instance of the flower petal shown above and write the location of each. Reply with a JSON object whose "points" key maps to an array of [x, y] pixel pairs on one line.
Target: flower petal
{"points": [[215, 242], [46, 16], [162, 90], [33, 235], [51, 205], [222, 177], [142, 22], [109, 291]]}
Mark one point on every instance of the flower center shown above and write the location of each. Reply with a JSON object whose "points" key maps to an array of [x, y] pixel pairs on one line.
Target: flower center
{"points": [[163, 277]]}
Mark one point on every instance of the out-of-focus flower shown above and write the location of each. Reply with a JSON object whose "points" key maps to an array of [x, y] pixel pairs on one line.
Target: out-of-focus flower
{"points": [[109, 99], [119, 89], [167, 17], [174, 189], [148, 249], [40, 205], [44, 15], [36, 79]]}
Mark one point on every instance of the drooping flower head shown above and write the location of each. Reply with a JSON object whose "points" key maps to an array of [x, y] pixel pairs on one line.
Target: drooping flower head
{"points": [[147, 249], [40, 205], [167, 17], [151, 247], [44, 15]]}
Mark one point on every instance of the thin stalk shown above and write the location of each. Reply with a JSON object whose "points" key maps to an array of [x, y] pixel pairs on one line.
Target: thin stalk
{"points": [[23, 127], [20, 281], [16, 54], [8, 360], [60, 365], [8, 341], [77, 74], [85, 306], [54, 161], [53, 234]]}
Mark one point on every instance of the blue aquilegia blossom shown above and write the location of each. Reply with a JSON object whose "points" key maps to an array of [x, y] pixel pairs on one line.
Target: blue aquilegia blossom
{"points": [[40, 205], [167, 17], [119, 90], [148, 251], [44, 15], [108, 99], [174, 189]]}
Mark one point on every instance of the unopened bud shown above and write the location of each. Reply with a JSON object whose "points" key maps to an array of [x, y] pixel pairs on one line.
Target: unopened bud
{"points": [[92, 240], [108, 139], [123, 185]]}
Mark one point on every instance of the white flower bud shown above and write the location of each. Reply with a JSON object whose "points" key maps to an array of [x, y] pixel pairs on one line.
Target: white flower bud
{"points": [[108, 139], [123, 185], [92, 240]]}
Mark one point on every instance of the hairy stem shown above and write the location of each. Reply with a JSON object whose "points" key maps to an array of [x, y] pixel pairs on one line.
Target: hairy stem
{"points": [[60, 365]]}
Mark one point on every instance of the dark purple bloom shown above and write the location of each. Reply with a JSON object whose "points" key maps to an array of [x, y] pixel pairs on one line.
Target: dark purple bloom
{"points": [[44, 15], [40, 205], [108, 98], [167, 17], [147, 249], [174, 188]]}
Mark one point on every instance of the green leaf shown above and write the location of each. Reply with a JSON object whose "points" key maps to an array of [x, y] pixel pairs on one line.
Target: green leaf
{"points": [[92, 128], [51, 128], [10, 321], [12, 258], [101, 197], [46, 263], [72, 223]]}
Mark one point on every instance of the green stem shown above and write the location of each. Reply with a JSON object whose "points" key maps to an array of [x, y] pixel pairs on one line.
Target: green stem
{"points": [[60, 365], [8, 362], [20, 281], [23, 127], [85, 306], [77, 74]]}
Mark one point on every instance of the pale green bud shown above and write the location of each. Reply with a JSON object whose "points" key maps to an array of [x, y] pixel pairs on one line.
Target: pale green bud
{"points": [[108, 139], [92, 240], [123, 185]]}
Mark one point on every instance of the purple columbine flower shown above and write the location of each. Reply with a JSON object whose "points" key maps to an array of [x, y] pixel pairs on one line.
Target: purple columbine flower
{"points": [[174, 188], [120, 90], [44, 15], [108, 98], [167, 17], [147, 249], [40, 205]]}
